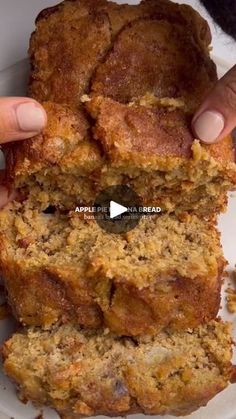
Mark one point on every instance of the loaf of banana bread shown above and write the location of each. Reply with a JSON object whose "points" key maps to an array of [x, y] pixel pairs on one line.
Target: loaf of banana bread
{"points": [[117, 324], [166, 273], [90, 373]]}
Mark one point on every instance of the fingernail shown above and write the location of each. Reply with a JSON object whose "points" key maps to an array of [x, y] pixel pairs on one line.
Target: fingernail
{"points": [[209, 126], [30, 117]]}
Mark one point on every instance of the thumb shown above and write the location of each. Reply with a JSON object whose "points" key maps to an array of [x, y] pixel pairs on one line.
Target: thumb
{"points": [[20, 118], [216, 118]]}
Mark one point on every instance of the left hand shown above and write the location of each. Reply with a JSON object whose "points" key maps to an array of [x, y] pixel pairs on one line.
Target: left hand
{"points": [[20, 118]]}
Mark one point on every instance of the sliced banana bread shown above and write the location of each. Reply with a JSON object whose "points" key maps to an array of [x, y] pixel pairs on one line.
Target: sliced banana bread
{"points": [[122, 52], [166, 273], [85, 374], [118, 324], [147, 147]]}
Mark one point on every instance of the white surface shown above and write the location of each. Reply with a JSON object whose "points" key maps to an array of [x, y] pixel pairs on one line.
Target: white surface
{"points": [[14, 79], [17, 24]]}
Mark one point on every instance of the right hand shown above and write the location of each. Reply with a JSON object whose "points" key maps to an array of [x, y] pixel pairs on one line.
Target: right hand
{"points": [[216, 117]]}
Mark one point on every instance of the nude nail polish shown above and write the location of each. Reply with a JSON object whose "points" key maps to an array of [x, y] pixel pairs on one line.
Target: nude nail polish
{"points": [[208, 126]]}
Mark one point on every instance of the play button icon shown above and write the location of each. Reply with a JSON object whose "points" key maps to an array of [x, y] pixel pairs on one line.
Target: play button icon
{"points": [[117, 209]]}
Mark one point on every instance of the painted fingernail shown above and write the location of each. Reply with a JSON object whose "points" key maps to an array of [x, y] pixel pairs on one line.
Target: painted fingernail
{"points": [[30, 117], [208, 126]]}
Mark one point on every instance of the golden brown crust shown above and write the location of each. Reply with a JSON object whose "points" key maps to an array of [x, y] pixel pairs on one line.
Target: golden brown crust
{"points": [[65, 142], [62, 65], [158, 137], [121, 15], [159, 130], [182, 14], [42, 297], [130, 131], [61, 72], [223, 150], [47, 296], [147, 56], [83, 374]]}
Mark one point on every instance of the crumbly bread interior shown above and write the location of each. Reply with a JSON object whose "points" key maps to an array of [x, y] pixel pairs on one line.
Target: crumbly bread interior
{"points": [[166, 273], [188, 245], [82, 373]]}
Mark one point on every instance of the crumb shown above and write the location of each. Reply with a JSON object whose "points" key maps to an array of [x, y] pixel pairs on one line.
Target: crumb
{"points": [[149, 99], [85, 98], [231, 300]]}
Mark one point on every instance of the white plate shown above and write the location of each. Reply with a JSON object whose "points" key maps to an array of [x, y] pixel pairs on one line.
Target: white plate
{"points": [[223, 406]]}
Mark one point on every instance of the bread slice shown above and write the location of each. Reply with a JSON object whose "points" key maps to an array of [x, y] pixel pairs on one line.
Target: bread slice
{"points": [[84, 374], [147, 146], [59, 166], [129, 54], [150, 144], [165, 273]]}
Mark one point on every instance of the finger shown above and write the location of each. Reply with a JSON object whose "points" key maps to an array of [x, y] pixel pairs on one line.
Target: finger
{"points": [[20, 118], [216, 118]]}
